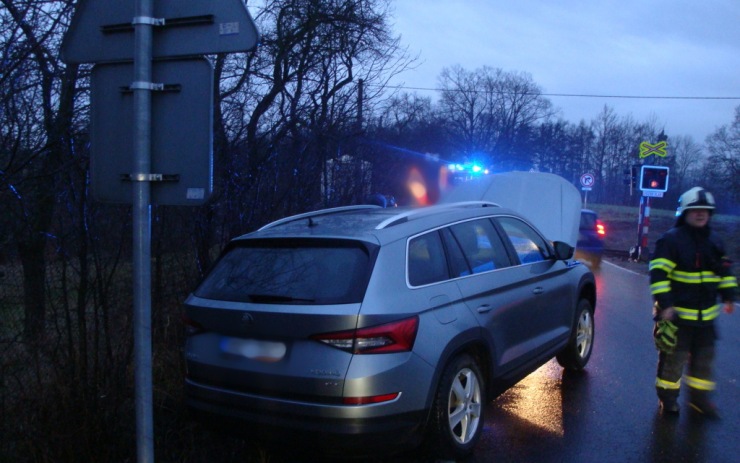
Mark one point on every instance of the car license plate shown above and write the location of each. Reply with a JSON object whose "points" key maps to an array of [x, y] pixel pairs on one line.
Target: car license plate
{"points": [[263, 351]]}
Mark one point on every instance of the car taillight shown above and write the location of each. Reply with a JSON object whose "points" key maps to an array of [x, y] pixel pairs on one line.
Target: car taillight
{"points": [[600, 228], [398, 336]]}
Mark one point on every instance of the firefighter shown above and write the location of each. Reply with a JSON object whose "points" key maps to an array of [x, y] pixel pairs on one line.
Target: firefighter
{"points": [[689, 273]]}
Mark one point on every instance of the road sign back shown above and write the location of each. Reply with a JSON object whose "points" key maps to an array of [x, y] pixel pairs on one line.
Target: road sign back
{"points": [[182, 145], [102, 30]]}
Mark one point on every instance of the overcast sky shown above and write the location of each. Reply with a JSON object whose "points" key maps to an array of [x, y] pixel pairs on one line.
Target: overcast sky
{"points": [[645, 48]]}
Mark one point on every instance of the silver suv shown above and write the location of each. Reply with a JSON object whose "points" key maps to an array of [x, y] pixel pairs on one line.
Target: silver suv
{"points": [[365, 325]]}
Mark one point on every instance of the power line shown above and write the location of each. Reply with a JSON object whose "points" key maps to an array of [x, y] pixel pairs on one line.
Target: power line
{"points": [[654, 97], [586, 95]]}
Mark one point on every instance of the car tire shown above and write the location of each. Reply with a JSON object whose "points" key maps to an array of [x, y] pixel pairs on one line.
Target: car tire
{"points": [[576, 354], [457, 413]]}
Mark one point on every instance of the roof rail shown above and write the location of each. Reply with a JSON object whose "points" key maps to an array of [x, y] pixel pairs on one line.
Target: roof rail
{"points": [[404, 216], [320, 212]]}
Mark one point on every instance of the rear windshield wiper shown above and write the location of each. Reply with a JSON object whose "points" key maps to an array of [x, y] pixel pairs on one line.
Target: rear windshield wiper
{"points": [[277, 298]]}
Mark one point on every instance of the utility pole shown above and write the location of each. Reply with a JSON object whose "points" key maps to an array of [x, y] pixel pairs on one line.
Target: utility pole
{"points": [[360, 97]]}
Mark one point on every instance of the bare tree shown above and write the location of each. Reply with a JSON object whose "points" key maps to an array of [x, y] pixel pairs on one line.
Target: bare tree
{"points": [[616, 148], [608, 146], [687, 157], [405, 135], [468, 110], [299, 105], [492, 112], [724, 158], [38, 97], [549, 145]]}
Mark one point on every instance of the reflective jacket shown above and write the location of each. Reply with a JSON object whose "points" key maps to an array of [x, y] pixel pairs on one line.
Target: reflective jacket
{"points": [[688, 271]]}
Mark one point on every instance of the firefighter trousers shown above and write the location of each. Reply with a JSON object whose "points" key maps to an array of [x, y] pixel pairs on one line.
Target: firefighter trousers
{"points": [[695, 354]]}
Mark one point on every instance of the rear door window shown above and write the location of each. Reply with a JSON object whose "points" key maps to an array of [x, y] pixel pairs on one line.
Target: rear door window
{"points": [[480, 245], [282, 271], [527, 243]]}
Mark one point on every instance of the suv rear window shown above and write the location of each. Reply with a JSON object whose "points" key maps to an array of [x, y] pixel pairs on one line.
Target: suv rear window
{"points": [[291, 271], [588, 221]]}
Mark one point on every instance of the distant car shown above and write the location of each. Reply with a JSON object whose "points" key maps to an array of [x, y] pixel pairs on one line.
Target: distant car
{"points": [[591, 234], [367, 328]]}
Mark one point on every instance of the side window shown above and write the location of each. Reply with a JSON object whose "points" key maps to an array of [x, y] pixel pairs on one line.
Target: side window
{"points": [[528, 244], [480, 245], [426, 260], [458, 264]]}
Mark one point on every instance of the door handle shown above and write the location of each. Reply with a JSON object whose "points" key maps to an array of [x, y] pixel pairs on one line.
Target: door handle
{"points": [[484, 308], [538, 290]]}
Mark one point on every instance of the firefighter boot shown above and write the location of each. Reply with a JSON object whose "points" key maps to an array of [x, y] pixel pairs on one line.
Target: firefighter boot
{"points": [[668, 401], [700, 403], [669, 407]]}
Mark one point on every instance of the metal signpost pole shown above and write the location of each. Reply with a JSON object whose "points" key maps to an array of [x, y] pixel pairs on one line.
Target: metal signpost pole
{"points": [[100, 32], [142, 89]]}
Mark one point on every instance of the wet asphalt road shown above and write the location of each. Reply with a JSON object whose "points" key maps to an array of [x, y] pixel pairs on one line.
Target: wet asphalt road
{"points": [[609, 413]]}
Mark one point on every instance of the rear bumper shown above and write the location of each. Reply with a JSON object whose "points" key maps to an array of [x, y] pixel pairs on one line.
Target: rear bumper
{"points": [[590, 242], [328, 428]]}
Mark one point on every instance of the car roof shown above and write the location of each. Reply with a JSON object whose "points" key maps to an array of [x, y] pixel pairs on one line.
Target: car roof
{"points": [[373, 223]]}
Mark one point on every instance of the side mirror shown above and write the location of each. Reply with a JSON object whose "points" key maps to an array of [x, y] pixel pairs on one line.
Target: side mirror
{"points": [[563, 251]]}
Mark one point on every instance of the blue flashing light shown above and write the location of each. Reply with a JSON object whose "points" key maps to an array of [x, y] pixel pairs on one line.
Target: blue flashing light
{"points": [[468, 169]]}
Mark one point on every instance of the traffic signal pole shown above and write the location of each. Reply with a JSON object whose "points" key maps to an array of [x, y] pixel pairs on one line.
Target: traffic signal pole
{"points": [[653, 182], [643, 226]]}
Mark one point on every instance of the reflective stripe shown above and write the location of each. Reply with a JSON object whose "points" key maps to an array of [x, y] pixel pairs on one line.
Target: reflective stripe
{"points": [[707, 314], [712, 312], [660, 287], [662, 264], [695, 277], [663, 384], [728, 282], [701, 384]]}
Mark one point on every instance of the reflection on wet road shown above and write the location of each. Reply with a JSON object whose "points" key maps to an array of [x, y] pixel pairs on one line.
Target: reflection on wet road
{"points": [[609, 412]]}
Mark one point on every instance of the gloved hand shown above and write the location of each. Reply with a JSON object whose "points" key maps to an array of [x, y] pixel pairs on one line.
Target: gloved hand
{"points": [[665, 335]]}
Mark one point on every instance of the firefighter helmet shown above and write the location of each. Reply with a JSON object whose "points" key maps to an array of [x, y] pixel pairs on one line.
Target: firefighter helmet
{"points": [[695, 198]]}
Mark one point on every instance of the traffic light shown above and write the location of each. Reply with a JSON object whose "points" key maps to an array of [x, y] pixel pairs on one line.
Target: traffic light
{"points": [[654, 178], [630, 176]]}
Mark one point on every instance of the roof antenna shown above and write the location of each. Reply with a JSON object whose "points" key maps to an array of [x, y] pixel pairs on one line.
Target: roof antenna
{"points": [[311, 223]]}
